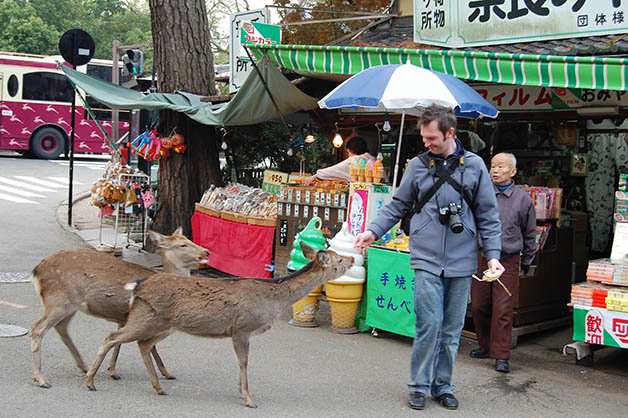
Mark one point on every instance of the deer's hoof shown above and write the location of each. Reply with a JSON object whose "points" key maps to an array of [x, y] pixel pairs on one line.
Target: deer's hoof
{"points": [[91, 388], [161, 392], [251, 405], [115, 376], [45, 386], [171, 377]]}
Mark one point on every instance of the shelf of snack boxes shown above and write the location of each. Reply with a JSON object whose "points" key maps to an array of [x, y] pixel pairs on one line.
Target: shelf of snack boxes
{"points": [[240, 203]]}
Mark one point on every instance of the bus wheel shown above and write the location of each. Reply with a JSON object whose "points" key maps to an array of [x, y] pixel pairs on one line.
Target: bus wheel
{"points": [[47, 143]]}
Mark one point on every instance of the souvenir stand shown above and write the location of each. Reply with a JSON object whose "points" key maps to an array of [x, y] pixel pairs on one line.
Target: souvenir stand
{"points": [[236, 224], [600, 305]]}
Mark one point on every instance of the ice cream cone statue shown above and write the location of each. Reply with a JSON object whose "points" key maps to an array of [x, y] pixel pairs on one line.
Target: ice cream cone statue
{"points": [[304, 311], [354, 171], [345, 292], [378, 171], [361, 168], [369, 171]]}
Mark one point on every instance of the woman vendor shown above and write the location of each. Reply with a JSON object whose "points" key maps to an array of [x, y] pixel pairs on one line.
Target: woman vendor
{"points": [[356, 149]]}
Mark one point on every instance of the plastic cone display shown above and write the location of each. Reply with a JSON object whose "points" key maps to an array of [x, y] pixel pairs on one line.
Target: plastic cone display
{"points": [[345, 292], [304, 311]]}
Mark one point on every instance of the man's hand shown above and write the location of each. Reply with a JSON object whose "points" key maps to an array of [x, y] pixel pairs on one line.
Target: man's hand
{"points": [[363, 240], [309, 180], [495, 267]]}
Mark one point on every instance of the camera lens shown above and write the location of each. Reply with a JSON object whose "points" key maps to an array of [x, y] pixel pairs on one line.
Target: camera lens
{"points": [[455, 223]]}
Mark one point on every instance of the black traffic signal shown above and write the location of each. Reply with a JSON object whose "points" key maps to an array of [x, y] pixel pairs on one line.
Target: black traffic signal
{"points": [[132, 63]]}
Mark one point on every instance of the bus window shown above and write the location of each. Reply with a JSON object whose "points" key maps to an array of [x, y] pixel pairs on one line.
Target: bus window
{"points": [[47, 86], [13, 85]]}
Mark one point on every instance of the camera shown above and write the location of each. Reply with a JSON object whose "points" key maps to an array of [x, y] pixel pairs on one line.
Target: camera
{"points": [[451, 215]]}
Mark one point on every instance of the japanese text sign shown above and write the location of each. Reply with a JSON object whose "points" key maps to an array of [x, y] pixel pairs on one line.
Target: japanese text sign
{"points": [[456, 23], [239, 61], [390, 292], [600, 326]]}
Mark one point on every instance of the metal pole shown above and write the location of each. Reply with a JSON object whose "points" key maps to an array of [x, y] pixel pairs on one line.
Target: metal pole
{"points": [[115, 79], [394, 185], [272, 99], [71, 174]]}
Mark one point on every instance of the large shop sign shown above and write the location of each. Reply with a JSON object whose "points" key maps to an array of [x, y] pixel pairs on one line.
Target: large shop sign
{"points": [[462, 23], [507, 97], [600, 326]]}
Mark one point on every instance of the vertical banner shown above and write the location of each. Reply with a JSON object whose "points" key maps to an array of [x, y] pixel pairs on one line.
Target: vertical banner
{"points": [[240, 66], [357, 211], [390, 292]]}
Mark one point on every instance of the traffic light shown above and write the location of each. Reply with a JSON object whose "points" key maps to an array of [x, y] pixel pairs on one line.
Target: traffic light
{"points": [[132, 62]]}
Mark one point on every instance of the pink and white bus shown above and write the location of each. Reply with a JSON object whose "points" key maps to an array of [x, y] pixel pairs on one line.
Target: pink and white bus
{"points": [[36, 107]]}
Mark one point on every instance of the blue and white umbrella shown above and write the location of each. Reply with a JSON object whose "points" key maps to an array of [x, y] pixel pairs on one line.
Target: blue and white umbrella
{"points": [[406, 89]]}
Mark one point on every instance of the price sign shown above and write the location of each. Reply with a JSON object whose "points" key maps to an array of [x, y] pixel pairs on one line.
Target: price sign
{"points": [[272, 181]]}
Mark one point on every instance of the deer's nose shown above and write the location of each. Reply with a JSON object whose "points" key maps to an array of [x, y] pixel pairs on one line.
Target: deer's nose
{"points": [[206, 253]]}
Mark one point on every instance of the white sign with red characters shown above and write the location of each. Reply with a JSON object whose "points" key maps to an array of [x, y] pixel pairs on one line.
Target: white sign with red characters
{"points": [[601, 326]]}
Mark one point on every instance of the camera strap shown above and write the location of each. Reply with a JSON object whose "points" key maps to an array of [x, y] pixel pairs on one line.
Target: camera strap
{"points": [[443, 172]]}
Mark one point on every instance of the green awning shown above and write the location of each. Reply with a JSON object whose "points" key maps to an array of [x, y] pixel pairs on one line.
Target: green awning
{"points": [[249, 106], [522, 69]]}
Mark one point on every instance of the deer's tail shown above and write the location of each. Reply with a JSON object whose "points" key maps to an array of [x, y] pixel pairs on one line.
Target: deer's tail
{"points": [[133, 285]]}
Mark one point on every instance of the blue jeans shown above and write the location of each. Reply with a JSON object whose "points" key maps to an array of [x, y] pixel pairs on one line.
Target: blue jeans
{"points": [[440, 305]]}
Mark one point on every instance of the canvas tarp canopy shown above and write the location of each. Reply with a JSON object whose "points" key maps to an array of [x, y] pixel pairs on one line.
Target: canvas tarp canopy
{"points": [[338, 63], [249, 106]]}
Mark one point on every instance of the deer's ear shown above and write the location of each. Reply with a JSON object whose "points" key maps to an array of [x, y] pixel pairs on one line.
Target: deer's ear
{"points": [[323, 257], [158, 239], [308, 252], [178, 231]]}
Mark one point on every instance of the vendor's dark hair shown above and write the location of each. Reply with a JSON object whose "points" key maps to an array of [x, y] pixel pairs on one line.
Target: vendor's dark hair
{"points": [[445, 117], [357, 145]]}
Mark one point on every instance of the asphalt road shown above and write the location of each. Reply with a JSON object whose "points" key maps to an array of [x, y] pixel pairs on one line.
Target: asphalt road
{"points": [[292, 371]]}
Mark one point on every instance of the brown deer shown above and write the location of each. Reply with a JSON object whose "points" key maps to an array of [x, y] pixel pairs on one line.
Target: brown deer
{"points": [[93, 282], [218, 308]]}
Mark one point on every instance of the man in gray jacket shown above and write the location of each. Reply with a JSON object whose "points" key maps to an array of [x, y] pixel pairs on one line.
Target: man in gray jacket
{"points": [[491, 306], [443, 248]]}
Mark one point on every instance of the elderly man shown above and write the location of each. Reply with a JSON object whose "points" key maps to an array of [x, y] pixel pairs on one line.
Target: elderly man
{"points": [[491, 306]]}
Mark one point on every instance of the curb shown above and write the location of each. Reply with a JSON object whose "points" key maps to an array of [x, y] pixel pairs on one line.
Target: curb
{"points": [[62, 212]]}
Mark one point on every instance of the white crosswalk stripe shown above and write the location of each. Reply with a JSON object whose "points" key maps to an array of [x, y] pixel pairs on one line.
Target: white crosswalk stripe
{"points": [[18, 188], [41, 182], [16, 199], [92, 166], [64, 180]]}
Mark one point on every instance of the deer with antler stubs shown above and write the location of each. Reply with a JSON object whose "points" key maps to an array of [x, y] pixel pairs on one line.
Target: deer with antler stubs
{"points": [[215, 308], [93, 282]]}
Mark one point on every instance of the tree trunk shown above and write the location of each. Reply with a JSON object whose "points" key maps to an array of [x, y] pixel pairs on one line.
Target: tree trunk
{"points": [[183, 61]]}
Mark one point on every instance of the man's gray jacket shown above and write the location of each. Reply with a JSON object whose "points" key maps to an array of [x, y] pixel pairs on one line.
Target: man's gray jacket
{"points": [[433, 246]]}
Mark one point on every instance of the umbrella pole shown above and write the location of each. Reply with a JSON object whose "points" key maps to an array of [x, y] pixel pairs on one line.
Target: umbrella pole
{"points": [[394, 185]]}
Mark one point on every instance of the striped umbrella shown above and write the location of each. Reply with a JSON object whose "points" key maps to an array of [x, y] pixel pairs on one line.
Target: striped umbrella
{"points": [[406, 89]]}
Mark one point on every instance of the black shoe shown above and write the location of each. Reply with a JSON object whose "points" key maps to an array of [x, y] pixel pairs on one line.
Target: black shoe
{"points": [[448, 400], [479, 353], [502, 366], [416, 400]]}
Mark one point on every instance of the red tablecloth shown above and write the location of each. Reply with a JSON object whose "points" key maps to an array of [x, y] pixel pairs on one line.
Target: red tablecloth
{"points": [[235, 248]]}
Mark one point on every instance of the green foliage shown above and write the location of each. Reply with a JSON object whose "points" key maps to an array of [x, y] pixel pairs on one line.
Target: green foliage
{"points": [[266, 146], [35, 26]]}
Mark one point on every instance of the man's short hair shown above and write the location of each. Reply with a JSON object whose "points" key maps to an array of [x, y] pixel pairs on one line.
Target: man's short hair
{"points": [[357, 145], [512, 157], [445, 117]]}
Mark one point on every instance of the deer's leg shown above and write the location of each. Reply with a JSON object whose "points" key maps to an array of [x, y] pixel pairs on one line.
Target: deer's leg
{"points": [[49, 319], [145, 349], [113, 373], [160, 365], [241, 347], [114, 338], [62, 330]]}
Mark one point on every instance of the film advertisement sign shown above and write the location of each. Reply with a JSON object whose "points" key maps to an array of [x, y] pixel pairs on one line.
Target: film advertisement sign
{"points": [[600, 326]]}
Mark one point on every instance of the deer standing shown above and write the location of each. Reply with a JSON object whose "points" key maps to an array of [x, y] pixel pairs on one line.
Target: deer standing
{"points": [[93, 282], [218, 308]]}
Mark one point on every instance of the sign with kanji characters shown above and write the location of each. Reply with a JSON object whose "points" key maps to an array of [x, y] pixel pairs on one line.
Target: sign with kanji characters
{"points": [[272, 181], [508, 97], [390, 292], [255, 33], [240, 65], [600, 326], [463, 23]]}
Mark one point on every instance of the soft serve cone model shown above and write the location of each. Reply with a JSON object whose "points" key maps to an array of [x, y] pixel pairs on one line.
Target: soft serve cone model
{"points": [[304, 311], [345, 292]]}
